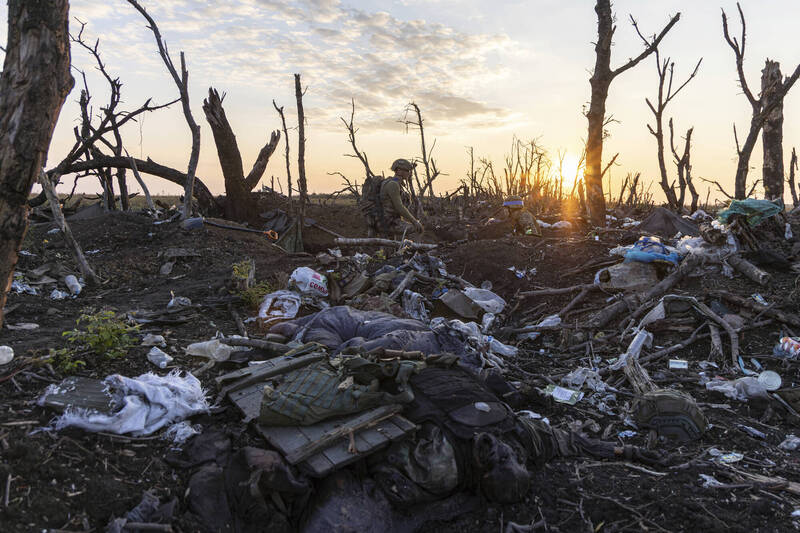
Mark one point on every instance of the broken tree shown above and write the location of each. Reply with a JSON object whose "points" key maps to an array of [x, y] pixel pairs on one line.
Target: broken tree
{"points": [[762, 109], [239, 204], [33, 86], [182, 82], [600, 81]]}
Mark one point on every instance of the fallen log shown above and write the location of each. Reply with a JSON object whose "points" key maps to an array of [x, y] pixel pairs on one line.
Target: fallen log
{"points": [[341, 241], [204, 197], [747, 268]]}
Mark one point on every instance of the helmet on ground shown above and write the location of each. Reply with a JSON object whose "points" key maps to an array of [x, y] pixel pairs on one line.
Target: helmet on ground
{"points": [[513, 202], [402, 164]]}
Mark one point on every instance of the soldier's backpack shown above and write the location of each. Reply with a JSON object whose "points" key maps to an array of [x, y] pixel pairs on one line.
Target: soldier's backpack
{"points": [[371, 206]]}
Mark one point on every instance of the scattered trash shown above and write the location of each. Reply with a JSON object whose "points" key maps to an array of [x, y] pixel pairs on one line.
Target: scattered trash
{"points": [[178, 302], [741, 389], [146, 404], [278, 306], [180, 432], [788, 347], [414, 305], [552, 320], [758, 298], [562, 395], [627, 434], [153, 340], [73, 285], [58, 295], [651, 249], [729, 458], [309, 282], [678, 364], [753, 432], [22, 326], [790, 443], [20, 286], [6, 355], [756, 211], [213, 349], [158, 357], [486, 299], [710, 482], [770, 380], [631, 276]]}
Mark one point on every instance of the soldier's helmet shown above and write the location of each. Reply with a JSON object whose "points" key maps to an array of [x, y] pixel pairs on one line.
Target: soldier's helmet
{"points": [[402, 164], [513, 202]]}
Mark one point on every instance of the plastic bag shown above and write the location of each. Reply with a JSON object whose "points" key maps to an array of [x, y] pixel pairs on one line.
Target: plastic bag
{"points": [[414, 305], [309, 282], [552, 320], [740, 389], [278, 306], [486, 299]]}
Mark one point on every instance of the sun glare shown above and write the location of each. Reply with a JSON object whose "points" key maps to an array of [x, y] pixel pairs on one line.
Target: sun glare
{"points": [[572, 170]]}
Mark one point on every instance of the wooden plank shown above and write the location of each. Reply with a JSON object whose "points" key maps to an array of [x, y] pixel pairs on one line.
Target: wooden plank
{"points": [[79, 392]]}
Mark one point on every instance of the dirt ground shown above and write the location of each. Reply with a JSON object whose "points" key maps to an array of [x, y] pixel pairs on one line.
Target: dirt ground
{"points": [[78, 481]]}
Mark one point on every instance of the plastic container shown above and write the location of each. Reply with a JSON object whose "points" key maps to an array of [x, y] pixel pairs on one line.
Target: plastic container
{"points": [[6, 355], [771, 380], [73, 285], [158, 357]]}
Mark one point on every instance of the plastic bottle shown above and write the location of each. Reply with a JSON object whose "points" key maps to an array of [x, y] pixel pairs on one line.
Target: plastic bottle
{"points": [[158, 357], [6, 355], [73, 285]]}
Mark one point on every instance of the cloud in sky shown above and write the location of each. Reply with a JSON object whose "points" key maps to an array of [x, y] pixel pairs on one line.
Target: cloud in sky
{"points": [[343, 52], [480, 71]]}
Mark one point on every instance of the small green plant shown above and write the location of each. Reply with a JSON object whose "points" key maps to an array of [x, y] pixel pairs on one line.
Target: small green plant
{"points": [[65, 360], [253, 296], [380, 255], [242, 269], [103, 334]]}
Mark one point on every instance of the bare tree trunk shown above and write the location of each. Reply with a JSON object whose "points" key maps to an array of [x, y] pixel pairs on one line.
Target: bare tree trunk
{"points": [[792, 169], [743, 166], [301, 147], [286, 153], [772, 135], [148, 199], [182, 82], [600, 81], [762, 107], [49, 189], [34, 83], [239, 204]]}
